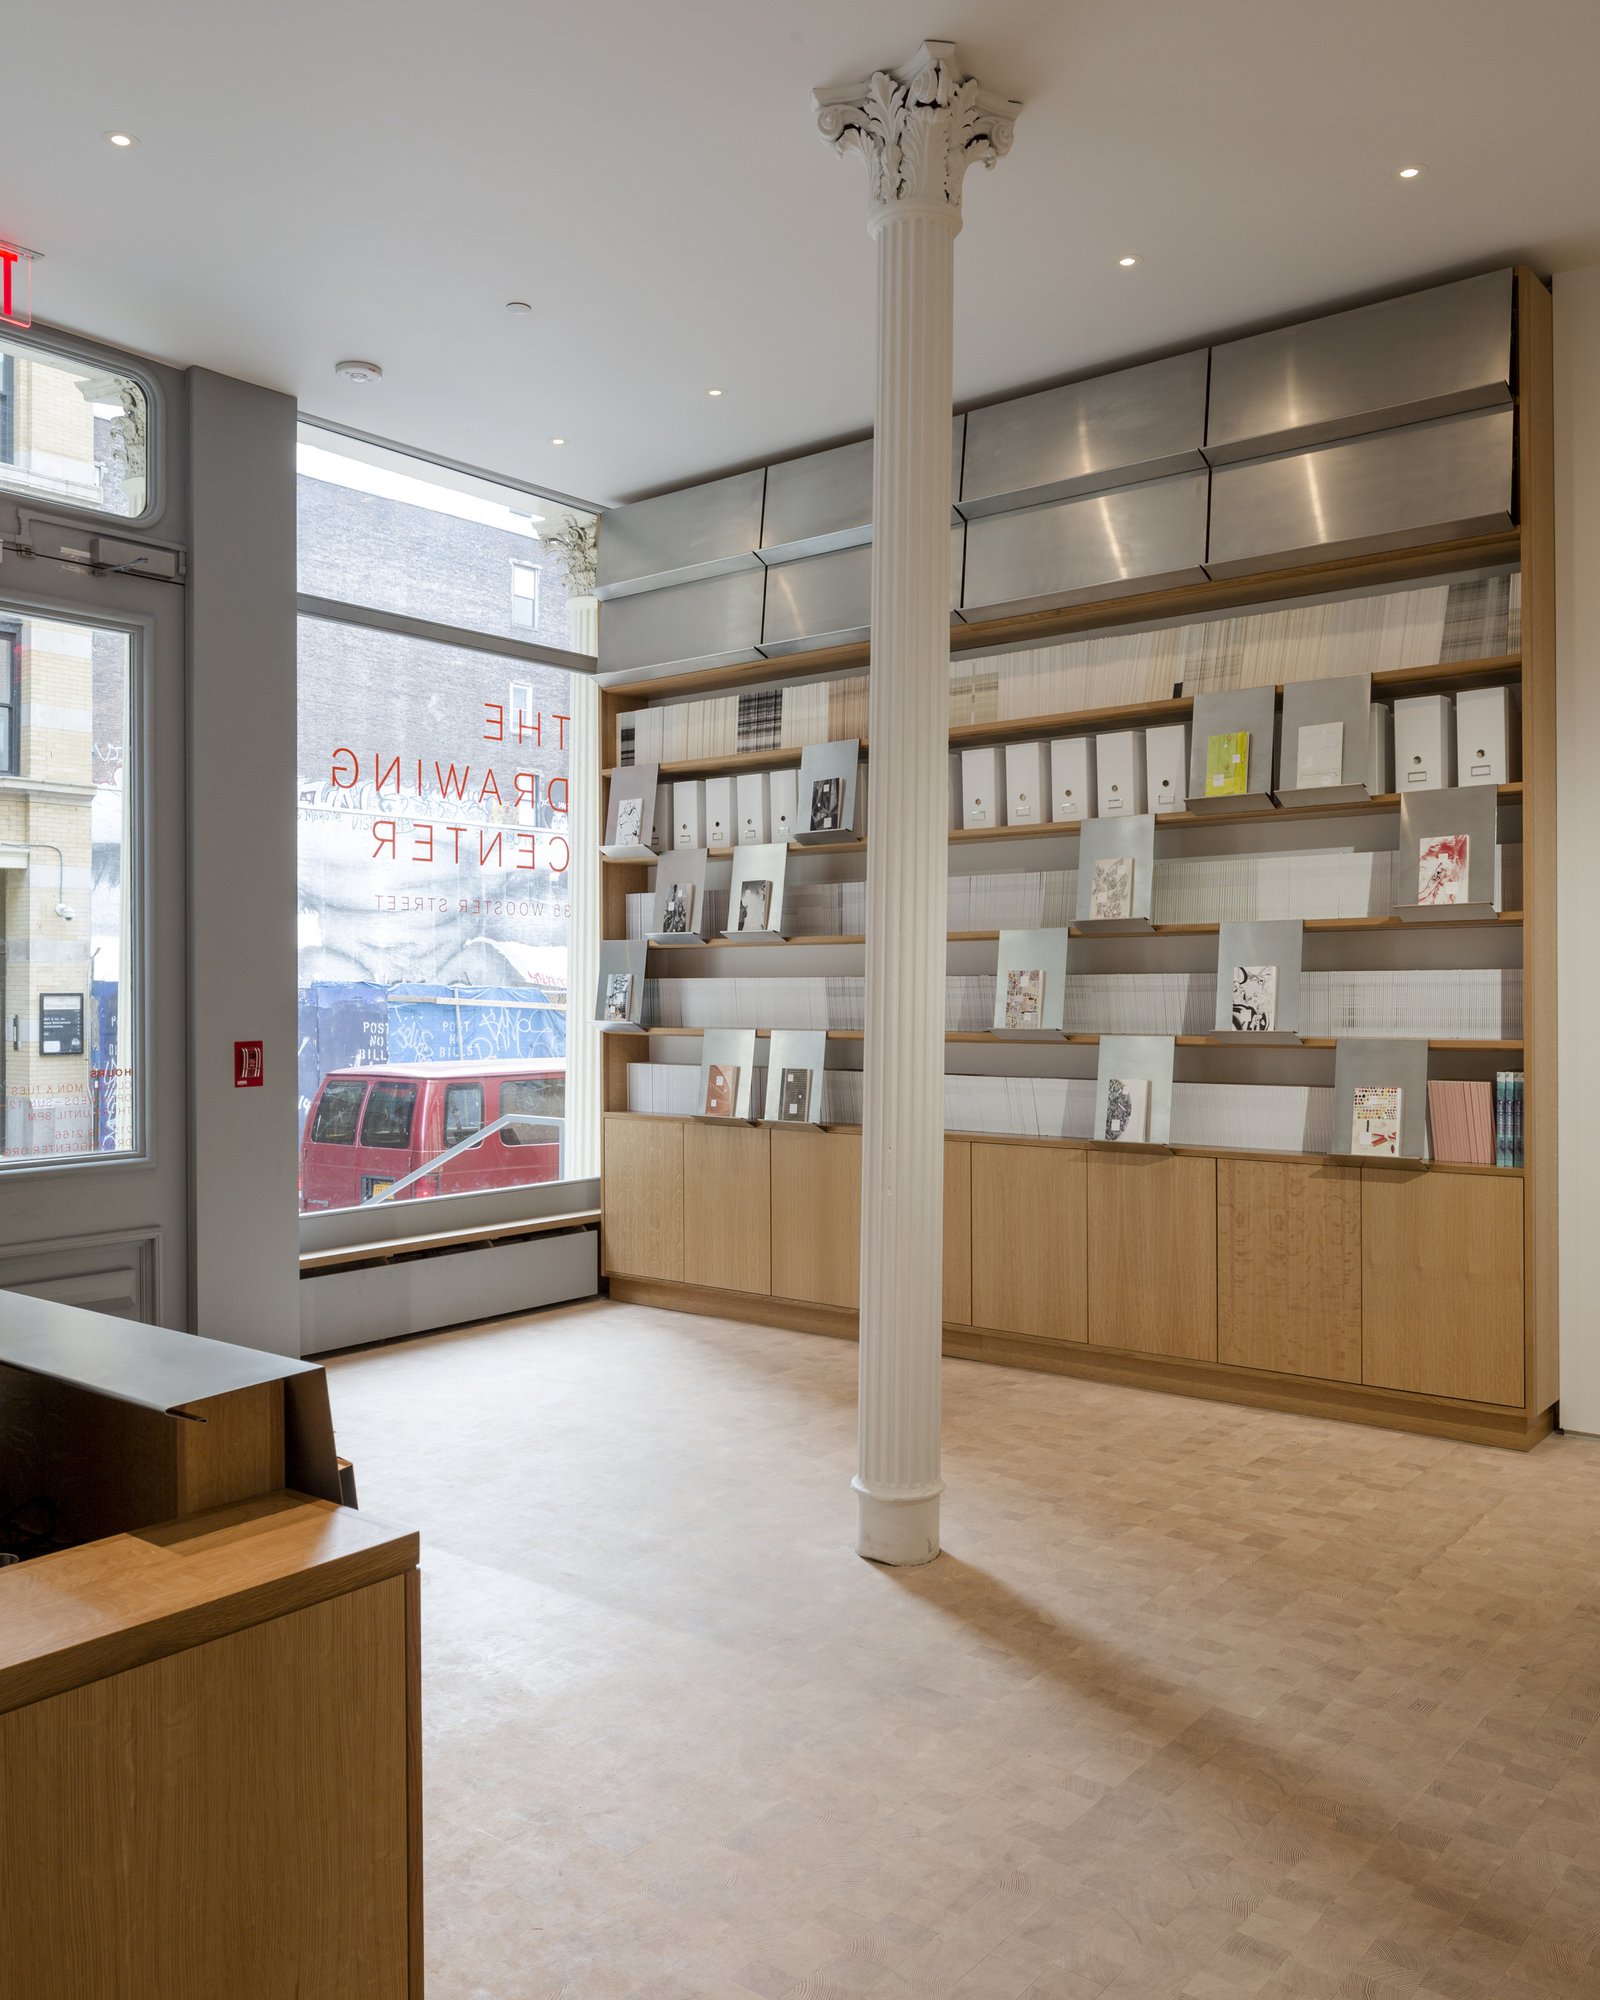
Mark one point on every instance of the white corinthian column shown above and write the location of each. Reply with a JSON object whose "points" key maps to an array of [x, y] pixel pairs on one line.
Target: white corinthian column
{"points": [[918, 128]]}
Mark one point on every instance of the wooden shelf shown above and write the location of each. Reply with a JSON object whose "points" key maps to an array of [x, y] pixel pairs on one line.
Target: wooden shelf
{"points": [[1060, 1041], [1326, 925]]}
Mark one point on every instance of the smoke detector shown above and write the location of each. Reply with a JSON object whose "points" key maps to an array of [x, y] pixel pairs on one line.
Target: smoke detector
{"points": [[358, 371]]}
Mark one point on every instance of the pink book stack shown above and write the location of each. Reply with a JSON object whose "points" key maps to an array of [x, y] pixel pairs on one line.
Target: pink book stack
{"points": [[1461, 1120]]}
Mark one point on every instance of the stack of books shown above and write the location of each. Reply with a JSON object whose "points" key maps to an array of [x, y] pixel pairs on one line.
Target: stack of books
{"points": [[1508, 1148], [1461, 1123]]}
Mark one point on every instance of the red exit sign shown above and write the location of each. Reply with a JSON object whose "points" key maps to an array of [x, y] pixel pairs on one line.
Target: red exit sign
{"points": [[16, 285]]}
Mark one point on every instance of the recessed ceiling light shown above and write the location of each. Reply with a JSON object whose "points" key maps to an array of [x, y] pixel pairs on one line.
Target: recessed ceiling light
{"points": [[119, 139], [558, 440], [713, 392], [358, 371], [1125, 262], [1409, 173], [518, 306]]}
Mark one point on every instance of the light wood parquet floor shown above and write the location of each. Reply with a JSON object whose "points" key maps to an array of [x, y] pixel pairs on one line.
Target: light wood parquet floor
{"points": [[1202, 1702]]}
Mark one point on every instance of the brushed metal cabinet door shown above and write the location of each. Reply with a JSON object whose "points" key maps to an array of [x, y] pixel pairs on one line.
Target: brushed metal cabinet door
{"points": [[680, 537], [827, 600], [823, 501], [714, 623], [1099, 545]]}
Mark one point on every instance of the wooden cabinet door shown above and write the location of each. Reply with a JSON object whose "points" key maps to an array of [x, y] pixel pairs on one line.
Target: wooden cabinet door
{"points": [[1289, 1267], [641, 1197], [958, 1232], [1028, 1241], [1442, 1284], [1153, 1253], [727, 1207], [816, 1216]]}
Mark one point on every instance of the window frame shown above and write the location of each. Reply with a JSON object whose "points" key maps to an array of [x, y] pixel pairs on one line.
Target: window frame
{"points": [[11, 691], [50, 345], [8, 409], [455, 1087], [339, 1085], [398, 1090]]}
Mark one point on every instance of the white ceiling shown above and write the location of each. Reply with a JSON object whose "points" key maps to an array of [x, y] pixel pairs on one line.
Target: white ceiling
{"points": [[322, 178]]}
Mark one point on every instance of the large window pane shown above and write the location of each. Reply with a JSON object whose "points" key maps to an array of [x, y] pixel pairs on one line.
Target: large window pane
{"points": [[397, 533], [72, 434], [66, 913]]}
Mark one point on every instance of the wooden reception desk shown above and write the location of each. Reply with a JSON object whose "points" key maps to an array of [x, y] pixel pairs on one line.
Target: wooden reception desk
{"points": [[210, 1776]]}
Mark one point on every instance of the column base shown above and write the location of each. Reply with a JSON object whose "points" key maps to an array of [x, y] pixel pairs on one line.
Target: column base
{"points": [[898, 1528]]}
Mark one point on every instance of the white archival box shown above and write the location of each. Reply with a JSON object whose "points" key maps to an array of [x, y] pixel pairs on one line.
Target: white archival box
{"points": [[796, 1048], [641, 782], [685, 865], [1043, 952], [783, 790], [1147, 1056], [619, 957], [750, 807], [763, 863], [982, 788], [1166, 765], [725, 1048], [688, 813], [1119, 773], [828, 770], [1072, 782], [1027, 784], [1424, 744], [719, 812], [1488, 738]]}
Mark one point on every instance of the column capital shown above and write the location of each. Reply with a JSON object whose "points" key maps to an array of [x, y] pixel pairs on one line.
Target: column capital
{"points": [[919, 128]]}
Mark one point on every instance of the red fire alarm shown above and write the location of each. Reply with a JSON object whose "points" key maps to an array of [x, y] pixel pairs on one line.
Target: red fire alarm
{"points": [[247, 1065]]}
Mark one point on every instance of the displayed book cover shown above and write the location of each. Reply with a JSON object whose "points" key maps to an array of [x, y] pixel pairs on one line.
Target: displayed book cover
{"points": [[1255, 998], [794, 1097], [1319, 756], [680, 907], [619, 995], [1228, 764], [1024, 999], [827, 804], [1128, 1109], [1111, 887], [630, 822], [755, 899], [1442, 868], [722, 1089], [1375, 1119]]}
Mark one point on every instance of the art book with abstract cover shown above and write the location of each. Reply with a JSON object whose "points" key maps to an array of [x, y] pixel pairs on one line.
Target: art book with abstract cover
{"points": [[1228, 764], [630, 822], [1375, 1119], [755, 899], [827, 804], [1128, 1109], [794, 1097], [722, 1089], [1319, 756], [1111, 888], [619, 995], [1024, 999], [1442, 868], [1255, 998], [680, 906]]}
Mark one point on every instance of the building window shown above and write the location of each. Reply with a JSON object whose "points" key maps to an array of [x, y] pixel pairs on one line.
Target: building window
{"points": [[524, 596], [7, 409], [10, 702], [73, 433]]}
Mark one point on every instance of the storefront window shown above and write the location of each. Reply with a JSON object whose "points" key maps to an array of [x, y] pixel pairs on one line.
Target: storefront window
{"points": [[67, 1053], [435, 866], [72, 434]]}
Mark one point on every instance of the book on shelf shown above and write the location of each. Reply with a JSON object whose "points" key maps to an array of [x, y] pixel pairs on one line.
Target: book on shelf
{"points": [[1319, 756], [1127, 1109], [1111, 888], [1024, 999], [619, 996], [1228, 764], [1461, 1123], [722, 1090], [678, 910], [1255, 998], [794, 1097], [1442, 868], [1375, 1120], [1508, 1099], [755, 900], [630, 822], [827, 804]]}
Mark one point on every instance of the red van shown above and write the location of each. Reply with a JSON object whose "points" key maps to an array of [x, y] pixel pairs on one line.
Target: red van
{"points": [[372, 1126]]}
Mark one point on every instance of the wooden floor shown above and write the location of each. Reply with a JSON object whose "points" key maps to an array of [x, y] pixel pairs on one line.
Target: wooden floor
{"points": [[1201, 1701]]}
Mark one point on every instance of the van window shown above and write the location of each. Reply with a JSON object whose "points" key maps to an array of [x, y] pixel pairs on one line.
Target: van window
{"points": [[336, 1113], [463, 1111], [544, 1096], [387, 1121]]}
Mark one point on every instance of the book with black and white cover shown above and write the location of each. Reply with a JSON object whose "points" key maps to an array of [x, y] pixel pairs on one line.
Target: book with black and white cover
{"points": [[1319, 756], [1375, 1120], [794, 1097], [1127, 1110], [619, 996], [1111, 890], [1442, 860], [1024, 998], [827, 805], [630, 822], [1255, 998], [678, 910], [755, 900], [722, 1090]]}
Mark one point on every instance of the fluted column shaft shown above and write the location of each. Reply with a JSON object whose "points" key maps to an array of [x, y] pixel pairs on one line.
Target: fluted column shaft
{"points": [[902, 1144]]}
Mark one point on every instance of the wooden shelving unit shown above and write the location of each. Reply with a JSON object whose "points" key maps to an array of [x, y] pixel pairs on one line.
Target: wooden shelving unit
{"points": [[1469, 1250]]}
